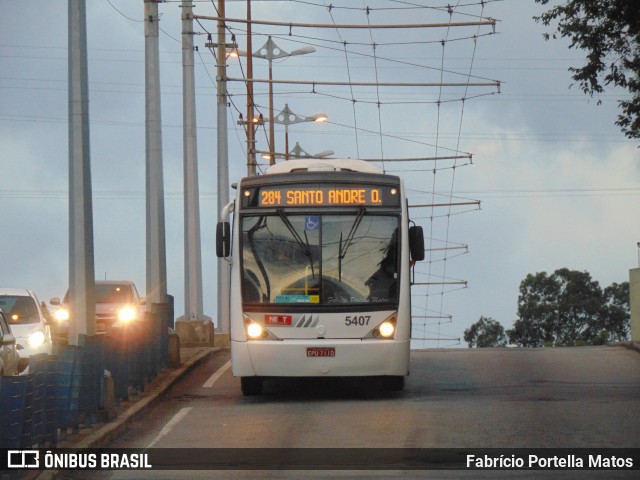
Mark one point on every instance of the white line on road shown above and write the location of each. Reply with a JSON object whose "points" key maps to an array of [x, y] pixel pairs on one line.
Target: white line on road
{"points": [[214, 378], [169, 426]]}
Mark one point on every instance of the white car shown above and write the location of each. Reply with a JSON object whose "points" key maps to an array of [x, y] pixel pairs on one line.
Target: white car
{"points": [[28, 324], [9, 357]]}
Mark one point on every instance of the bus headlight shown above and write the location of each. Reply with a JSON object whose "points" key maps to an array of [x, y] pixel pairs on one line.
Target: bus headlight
{"points": [[255, 331], [61, 315], [36, 339], [387, 329], [126, 314]]}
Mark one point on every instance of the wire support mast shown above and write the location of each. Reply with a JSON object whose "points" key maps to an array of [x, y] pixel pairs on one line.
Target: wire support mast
{"points": [[490, 22], [419, 159], [452, 204], [494, 83]]}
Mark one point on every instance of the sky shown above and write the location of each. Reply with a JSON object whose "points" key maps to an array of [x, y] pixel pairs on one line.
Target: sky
{"points": [[557, 181]]}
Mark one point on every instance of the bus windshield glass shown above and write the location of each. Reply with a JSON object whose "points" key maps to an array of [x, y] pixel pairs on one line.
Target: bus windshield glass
{"points": [[320, 259]]}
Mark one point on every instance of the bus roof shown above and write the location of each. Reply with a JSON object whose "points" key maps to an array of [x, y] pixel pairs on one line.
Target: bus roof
{"points": [[323, 165]]}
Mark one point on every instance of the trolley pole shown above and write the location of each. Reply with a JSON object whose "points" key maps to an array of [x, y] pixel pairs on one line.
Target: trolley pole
{"points": [[81, 258]]}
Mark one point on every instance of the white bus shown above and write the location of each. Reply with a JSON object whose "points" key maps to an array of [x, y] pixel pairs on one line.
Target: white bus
{"points": [[321, 254]]}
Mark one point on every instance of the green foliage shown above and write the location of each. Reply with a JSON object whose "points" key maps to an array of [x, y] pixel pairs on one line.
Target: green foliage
{"points": [[486, 332], [609, 33], [568, 308], [617, 312]]}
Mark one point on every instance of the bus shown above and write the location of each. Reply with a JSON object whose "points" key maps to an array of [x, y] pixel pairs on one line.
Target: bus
{"points": [[320, 256]]}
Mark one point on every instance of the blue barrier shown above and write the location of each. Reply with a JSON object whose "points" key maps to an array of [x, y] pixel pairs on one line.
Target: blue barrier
{"points": [[12, 402], [66, 389], [117, 362], [43, 426], [91, 378]]}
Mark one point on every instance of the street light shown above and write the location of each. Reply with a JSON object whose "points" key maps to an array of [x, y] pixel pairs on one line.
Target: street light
{"points": [[298, 152], [270, 51], [286, 117]]}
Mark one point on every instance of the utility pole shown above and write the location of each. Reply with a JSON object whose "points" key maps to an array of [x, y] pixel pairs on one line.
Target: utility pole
{"points": [[192, 246], [251, 133], [155, 225], [224, 267], [81, 259]]}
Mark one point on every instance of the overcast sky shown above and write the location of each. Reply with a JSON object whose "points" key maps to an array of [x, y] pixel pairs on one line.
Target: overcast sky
{"points": [[557, 181]]}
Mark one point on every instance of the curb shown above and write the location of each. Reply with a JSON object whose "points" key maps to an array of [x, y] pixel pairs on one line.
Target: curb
{"points": [[635, 346], [110, 430]]}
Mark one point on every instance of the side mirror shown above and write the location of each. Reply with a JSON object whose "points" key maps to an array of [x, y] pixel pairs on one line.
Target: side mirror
{"points": [[7, 339], [55, 301], [223, 239], [416, 243]]}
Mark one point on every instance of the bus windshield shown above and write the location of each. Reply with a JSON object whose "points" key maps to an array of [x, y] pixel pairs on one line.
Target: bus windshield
{"points": [[320, 259]]}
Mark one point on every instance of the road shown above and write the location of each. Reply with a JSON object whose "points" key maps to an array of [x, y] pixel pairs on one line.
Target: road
{"points": [[454, 398]]}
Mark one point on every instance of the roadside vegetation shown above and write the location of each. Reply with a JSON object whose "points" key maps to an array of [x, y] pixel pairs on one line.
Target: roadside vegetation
{"points": [[565, 308]]}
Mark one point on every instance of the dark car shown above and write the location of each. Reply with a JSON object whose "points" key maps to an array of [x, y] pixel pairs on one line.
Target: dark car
{"points": [[117, 304]]}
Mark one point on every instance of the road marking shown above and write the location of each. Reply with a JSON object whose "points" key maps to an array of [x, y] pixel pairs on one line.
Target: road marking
{"points": [[218, 373], [170, 424]]}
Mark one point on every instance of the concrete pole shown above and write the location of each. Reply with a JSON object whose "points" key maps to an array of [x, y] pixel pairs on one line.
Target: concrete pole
{"points": [[192, 252], [155, 225], [81, 260], [223, 170]]}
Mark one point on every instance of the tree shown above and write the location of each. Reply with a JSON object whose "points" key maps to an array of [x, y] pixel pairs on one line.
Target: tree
{"points": [[617, 312], [486, 332], [569, 308], [609, 32]]}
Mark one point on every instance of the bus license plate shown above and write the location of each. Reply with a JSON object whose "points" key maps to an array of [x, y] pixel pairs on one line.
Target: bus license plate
{"points": [[321, 352]]}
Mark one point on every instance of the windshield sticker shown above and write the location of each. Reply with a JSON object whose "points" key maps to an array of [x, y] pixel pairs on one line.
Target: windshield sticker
{"points": [[312, 223], [297, 298]]}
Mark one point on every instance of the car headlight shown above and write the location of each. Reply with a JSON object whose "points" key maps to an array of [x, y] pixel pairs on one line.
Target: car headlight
{"points": [[126, 314], [61, 315], [36, 339]]}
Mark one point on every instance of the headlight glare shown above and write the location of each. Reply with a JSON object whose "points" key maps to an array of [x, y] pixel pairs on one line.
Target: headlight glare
{"points": [[254, 330], [387, 329], [36, 339], [127, 314], [61, 315]]}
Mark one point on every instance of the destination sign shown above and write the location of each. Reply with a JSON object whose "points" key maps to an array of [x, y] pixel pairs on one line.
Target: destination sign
{"points": [[319, 196]]}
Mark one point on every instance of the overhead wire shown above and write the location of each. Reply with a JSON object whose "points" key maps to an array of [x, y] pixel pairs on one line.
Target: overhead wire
{"points": [[378, 103], [353, 100]]}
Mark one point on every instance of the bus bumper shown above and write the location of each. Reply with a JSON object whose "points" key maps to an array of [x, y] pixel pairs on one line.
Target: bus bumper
{"points": [[289, 358]]}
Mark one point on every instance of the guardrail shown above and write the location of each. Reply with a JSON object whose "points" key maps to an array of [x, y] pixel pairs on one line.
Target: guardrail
{"points": [[67, 389]]}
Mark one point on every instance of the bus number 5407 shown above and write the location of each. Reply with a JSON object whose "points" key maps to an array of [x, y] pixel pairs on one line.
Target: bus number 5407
{"points": [[360, 320]]}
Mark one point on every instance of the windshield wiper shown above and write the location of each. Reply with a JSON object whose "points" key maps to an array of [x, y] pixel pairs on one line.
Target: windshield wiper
{"points": [[296, 236], [260, 224], [349, 241]]}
